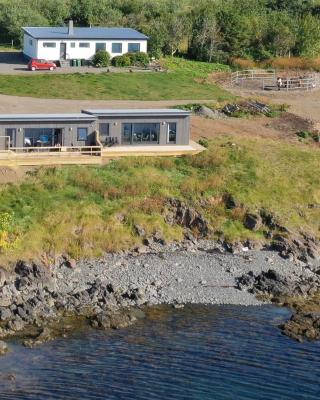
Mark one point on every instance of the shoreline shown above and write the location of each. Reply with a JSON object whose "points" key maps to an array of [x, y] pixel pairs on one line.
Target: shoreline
{"points": [[110, 292]]}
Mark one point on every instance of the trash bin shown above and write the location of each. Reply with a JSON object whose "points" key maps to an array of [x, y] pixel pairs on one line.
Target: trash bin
{"points": [[74, 63], [71, 63], [79, 62], [83, 62]]}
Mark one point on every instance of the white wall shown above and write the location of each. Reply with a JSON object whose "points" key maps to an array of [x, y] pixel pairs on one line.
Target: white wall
{"points": [[30, 46], [50, 53]]}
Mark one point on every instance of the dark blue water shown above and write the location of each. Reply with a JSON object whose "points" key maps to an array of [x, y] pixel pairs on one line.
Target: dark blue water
{"points": [[198, 353]]}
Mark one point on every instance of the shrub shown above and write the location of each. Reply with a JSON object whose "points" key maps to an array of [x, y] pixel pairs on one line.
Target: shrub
{"points": [[139, 59], [131, 59], [101, 59], [121, 61]]}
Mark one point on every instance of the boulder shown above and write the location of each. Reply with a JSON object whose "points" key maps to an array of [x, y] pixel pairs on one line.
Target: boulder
{"points": [[253, 221], [179, 213], [303, 326]]}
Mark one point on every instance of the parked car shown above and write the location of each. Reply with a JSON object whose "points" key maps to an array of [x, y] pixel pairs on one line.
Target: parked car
{"points": [[36, 63]]}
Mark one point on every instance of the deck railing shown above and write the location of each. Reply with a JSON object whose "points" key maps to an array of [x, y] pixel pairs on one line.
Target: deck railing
{"points": [[54, 151]]}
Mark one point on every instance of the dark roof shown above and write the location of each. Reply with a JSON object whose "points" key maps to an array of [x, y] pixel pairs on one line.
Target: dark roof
{"points": [[160, 112], [84, 33], [46, 117]]}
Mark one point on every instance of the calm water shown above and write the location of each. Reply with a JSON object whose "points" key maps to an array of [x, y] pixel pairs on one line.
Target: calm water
{"points": [[197, 353]]}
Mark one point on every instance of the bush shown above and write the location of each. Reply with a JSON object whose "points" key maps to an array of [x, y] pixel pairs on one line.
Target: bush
{"points": [[139, 59], [121, 61], [131, 59], [101, 59]]}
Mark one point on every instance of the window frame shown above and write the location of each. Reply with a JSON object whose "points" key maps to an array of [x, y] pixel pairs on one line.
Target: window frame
{"points": [[49, 45], [117, 44], [134, 51], [87, 45], [79, 137], [72, 45]]}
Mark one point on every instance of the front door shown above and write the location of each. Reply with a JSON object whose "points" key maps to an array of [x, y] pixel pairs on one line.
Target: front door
{"points": [[63, 51], [100, 46]]}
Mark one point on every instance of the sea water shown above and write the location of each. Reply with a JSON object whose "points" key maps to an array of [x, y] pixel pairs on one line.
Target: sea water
{"points": [[214, 352]]}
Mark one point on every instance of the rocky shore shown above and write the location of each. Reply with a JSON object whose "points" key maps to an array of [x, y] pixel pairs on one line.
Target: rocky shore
{"points": [[38, 303]]}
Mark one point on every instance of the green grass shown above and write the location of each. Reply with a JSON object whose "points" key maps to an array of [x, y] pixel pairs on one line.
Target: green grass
{"points": [[185, 81], [88, 210]]}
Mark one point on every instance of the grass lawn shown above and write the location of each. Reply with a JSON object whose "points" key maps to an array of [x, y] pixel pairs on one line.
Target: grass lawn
{"points": [[76, 209], [186, 80]]}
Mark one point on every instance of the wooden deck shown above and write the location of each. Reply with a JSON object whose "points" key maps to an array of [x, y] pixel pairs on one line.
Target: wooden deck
{"points": [[151, 151], [92, 157]]}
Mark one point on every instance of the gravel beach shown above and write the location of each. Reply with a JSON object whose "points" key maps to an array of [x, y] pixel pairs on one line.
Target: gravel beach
{"points": [[109, 292]]}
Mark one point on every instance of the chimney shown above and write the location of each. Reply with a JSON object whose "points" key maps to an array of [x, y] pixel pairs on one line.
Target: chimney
{"points": [[70, 28]]}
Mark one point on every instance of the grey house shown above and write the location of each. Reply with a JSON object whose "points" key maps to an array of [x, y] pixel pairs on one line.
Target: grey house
{"points": [[134, 127]]}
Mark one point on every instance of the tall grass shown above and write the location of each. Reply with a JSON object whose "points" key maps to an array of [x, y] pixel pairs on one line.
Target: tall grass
{"points": [[86, 211]]}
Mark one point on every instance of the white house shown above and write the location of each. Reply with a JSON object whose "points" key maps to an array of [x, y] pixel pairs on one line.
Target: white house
{"points": [[64, 43]]}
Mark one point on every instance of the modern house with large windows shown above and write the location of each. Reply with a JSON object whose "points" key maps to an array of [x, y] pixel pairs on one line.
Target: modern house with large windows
{"points": [[65, 43], [107, 133]]}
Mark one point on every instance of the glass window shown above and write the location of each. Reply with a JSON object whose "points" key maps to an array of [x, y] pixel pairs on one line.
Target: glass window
{"points": [[82, 134], [49, 44], [72, 45], [104, 129], [84, 44], [172, 132], [30, 42], [117, 48], [140, 133], [38, 137], [133, 47], [100, 46]]}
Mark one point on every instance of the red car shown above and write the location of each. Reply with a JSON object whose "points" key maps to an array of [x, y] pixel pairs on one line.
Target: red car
{"points": [[35, 64]]}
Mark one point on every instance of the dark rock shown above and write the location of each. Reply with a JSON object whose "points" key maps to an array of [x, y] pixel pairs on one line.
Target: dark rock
{"points": [[303, 326], [253, 221], [116, 319], [274, 285], [69, 262], [3, 276], [179, 213], [230, 201]]}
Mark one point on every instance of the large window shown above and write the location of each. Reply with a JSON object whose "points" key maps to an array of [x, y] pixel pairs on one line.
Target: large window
{"points": [[82, 134], [172, 132], [38, 137], [84, 44], [116, 48], [49, 44], [140, 133], [133, 47]]}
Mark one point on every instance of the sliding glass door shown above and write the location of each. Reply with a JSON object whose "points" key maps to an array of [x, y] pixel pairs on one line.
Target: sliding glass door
{"points": [[140, 133]]}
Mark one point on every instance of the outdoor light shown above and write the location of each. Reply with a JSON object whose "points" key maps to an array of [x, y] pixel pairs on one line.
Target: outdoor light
{"points": [[70, 129], [164, 122], [115, 123]]}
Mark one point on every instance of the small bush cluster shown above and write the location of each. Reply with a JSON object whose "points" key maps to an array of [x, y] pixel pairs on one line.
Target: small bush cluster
{"points": [[138, 59], [101, 59]]}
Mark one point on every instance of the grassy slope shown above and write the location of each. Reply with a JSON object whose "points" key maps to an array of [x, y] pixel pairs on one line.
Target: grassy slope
{"points": [[185, 81], [76, 209]]}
